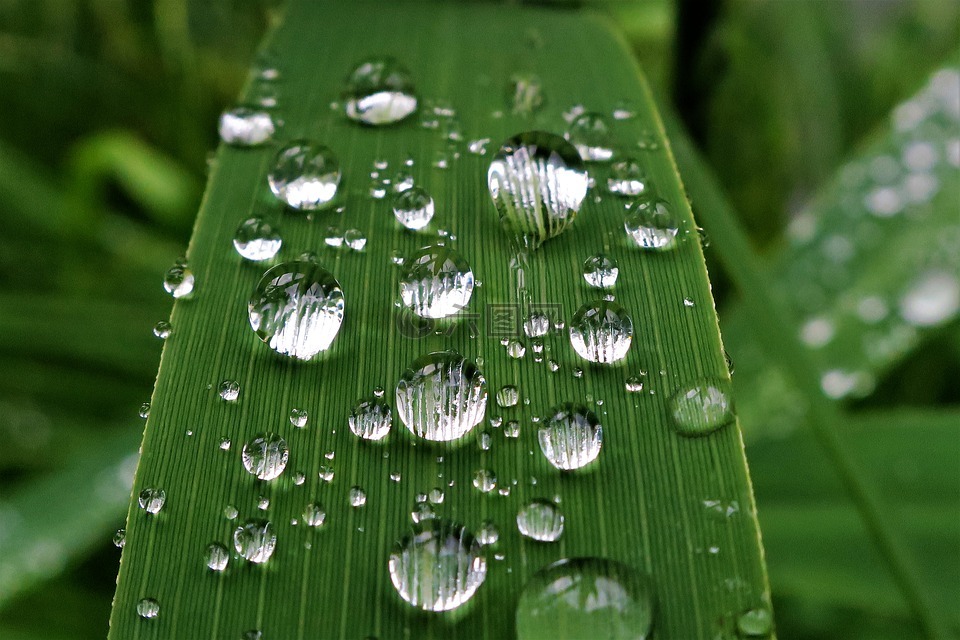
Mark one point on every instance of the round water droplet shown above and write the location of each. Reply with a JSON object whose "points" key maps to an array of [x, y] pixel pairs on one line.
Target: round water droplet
{"points": [[255, 540], [148, 608], [600, 272], [586, 598], [485, 480], [508, 396], [162, 329], [931, 300], [633, 384], [572, 437], [152, 499], [438, 566], [590, 134], [297, 309], [511, 429], [442, 396], [436, 495], [314, 515], [371, 419], [305, 175], [379, 91], [524, 94], [144, 411], [246, 127], [178, 281], [413, 208], [120, 538], [540, 520], [701, 408], [358, 497], [516, 349], [252, 634], [298, 417], [257, 240], [229, 390], [217, 557], [265, 456], [652, 225], [536, 325], [437, 282], [488, 533], [627, 178], [538, 183], [354, 239], [755, 623], [601, 331]]}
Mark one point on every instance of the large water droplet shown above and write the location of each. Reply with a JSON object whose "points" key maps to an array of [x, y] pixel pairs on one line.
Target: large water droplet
{"points": [[152, 499], [246, 127], [540, 520], [627, 178], [601, 331], [257, 240], [217, 557], [179, 281], [538, 183], [590, 134], [701, 408], [755, 623], [572, 436], [442, 396], [305, 175], [438, 566], [932, 299], [371, 419], [379, 91], [314, 515], [586, 598], [652, 225], [437, 282], [600, 272], [265, 456], [255, 540], [148, 608], [297, 309], [413, 208]]}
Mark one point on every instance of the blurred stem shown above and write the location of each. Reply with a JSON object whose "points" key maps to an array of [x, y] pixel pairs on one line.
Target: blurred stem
{"points": [[776, 330], [694, 21]]}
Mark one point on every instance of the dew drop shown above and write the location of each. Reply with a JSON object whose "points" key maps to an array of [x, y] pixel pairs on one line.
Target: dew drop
{"points": [[229, 390], [538, 183], [437, 282], [371, 419], [314, 515], [442, 396], [162, 329], [633, 384], [379, 92], [701, 408], [148, 608], [436, 495], [931, 300], [178, 281], [488, 533], [120, 538], [516, 349], [413, 208], [305, 175], [256, 240], [299, 417], [225, 444], [144, 411], [246, 127], [297, 309], [524, 94], [755, 623], [265, 456], [652, 225], [358, 497], [572, 437], [485, 480], [627, 178], [217, 557], [255, 540], [540, 520], [438, 566], [601, 331], [600, 271], [354, 239], [230, 512], [152, 499], [590, 134], [508, 396], [326, 473]]}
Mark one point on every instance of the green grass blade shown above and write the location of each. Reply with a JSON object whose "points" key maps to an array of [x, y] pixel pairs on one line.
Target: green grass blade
{"points": [[643, 505]]}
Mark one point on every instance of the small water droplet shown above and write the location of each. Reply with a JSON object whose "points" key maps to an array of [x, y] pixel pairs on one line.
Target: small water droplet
{"points": [[536, 325], [246, 127], [488, 533], [442, 396], [252, 634], [263, 503], [478, 147], [257, 240], [511, 429], [179, 281], [600, 271], [225, 444], [572, 437], [688, 302], [354, 239], [755, 623], [305, 175], [217, 557], [524, 94], [297, 309], [540, 520], [438, 566], [413, 208], [144, 411], [652, 225], [508, 396], [590, 134], [314, 515], [152, 499], [437, 282], [601, 331], [229, 390], [120, 538], [378, 92], [701, 408], [265, 456], [627, 178], [633, 384], [255, 540], [230, 512], [516, 349], [485, 480], [358, 497], [371, 419], [148, 608], [436, 495], [326, 473], [299, 417], [931, 300], [162, 329]]}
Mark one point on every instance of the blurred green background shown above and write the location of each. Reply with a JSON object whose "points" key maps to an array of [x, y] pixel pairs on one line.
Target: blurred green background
{"points": [[108, 113]]}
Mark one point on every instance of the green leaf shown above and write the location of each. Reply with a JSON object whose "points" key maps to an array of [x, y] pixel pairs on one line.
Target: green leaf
{"points": [[643, 504]]}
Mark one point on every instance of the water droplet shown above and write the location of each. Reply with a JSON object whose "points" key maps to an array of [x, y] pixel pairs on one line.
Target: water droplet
{"points": [[257, 240], [508, 396], [297, 309], [252, 634], [255, 540], [265, 456], [230, 512], [217, 556], [931, 300], [540, 520], [755, 623], [478, 147], [371, 419], [688, 302], [627, 178], [305, 175], [488, 533], [442, 396], [152, 499], [436, 495], [314, 515], [437, 282], [413, 208], [144, 411], [590, 134], [229, 390], [379, 91], [326, 473], [600, 272], [633, 384], [817, 332], [525, 94], [354, 239], [652, 225], [538, 183], [438, 566], [358, 497], [162, 329], [178, 281], [246, 127], [516, 349], [553, 365], [601, 331], [701, 408], [120, 538], [511, 429], [572, 436], [148, 608], [225, 444], [485, 480], [299, 417], [586, 598]]}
